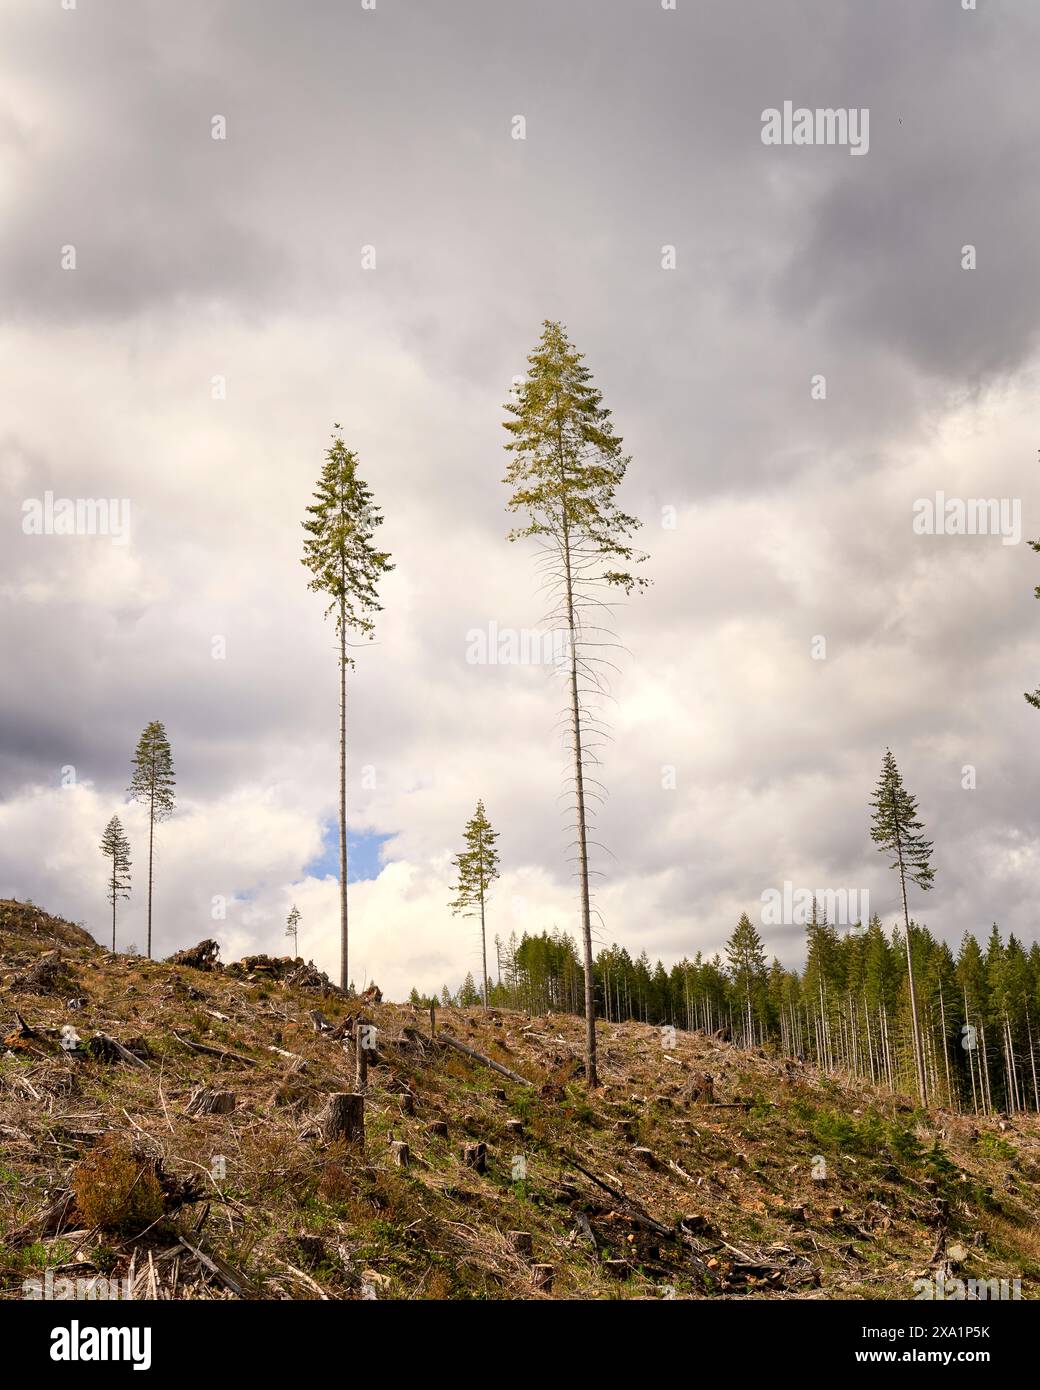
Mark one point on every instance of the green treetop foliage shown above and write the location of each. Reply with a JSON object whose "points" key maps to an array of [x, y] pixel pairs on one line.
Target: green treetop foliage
{"points": [[896, 829], [568, 463], [468, 995], [341, 523], [477, 865], [747, 969], [152, 777]]}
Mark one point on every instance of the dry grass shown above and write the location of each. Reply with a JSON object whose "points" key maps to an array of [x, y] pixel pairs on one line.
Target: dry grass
{"points": [[285, 1216]]}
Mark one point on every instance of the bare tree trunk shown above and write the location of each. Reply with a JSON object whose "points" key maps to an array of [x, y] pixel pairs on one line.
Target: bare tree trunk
{"points": [[483, 936], [344, 971], [591, 1075], [986, 1092], [1011, 1067], [946, 1054], [971, 1060], [922, 1086], [151, 844], [113, 904]]}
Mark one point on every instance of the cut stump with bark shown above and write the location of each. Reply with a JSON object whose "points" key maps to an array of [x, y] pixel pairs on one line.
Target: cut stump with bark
{"points": [[475, 1156], [647, 1157], [209, 1101], [343, 1118], [522, 1242]]}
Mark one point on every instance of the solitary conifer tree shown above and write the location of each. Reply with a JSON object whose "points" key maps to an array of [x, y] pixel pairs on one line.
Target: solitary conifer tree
{"points": [[566, 468], [346, 567], [477, 867], [116, 847], [292, 926], [152, 783], [896, 830]]}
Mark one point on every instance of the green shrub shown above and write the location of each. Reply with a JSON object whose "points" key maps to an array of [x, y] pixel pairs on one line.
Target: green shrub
{"points": [[116, 1188]]}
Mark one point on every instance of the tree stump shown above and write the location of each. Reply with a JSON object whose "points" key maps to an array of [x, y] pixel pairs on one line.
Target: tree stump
{"points": [[499, 1094], [522, 1242], [542, 1277], [625, 1129], [701, 1088], [437, 1129], [475, 1156], [646, 1156], [343, 1118], [515, 1128], [402, 1157], [698, 1224], [407, 1103], [207, 1101], [616, 1269], [361, 1065]]}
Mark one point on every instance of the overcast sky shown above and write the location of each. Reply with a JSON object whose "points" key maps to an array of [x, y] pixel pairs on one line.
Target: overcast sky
{"points": [[242, 258]]}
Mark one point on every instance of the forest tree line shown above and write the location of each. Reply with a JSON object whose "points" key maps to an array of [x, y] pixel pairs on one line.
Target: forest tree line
{"points": [[848, 1010]]}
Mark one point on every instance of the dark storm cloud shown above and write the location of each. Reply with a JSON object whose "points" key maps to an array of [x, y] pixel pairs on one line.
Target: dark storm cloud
{"points": [[391, 128]]}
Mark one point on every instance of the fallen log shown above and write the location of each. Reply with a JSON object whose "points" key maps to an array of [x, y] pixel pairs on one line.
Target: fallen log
{"points": [[220, 1052], [638, 1212], [227, 1274], [486, 1061], [108, 1049]]}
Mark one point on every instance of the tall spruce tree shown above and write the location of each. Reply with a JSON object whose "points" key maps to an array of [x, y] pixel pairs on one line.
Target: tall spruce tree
{"points": [[477, 867], [567, 464], [151, 783], [345, 566], [115, 846], [896, 830]]}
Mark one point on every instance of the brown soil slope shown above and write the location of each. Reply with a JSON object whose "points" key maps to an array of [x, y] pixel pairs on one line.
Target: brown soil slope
{"points": [[774, 1181]]}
